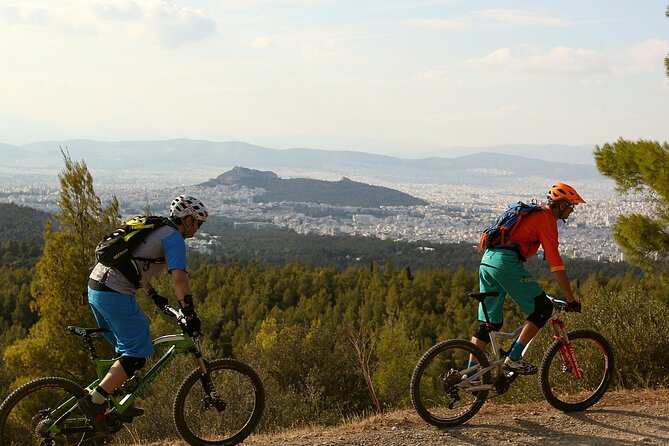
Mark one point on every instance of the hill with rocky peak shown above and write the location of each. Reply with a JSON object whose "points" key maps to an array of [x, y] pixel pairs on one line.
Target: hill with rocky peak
{"points": [[344, 192]]}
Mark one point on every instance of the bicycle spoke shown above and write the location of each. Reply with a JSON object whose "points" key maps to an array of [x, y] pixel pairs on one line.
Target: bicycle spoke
{"points": [[42, 412], [576, 378], [436, 389], [203, 419]]}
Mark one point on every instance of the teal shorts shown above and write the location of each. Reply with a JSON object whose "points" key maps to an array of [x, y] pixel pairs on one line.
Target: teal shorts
{"points": [[501, 270], [130, 334]]}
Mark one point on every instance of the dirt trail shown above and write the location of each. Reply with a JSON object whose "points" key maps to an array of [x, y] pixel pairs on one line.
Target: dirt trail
{"points": [[621, 418]]}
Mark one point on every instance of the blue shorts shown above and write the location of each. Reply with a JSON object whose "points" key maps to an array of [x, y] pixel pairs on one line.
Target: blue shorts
{"points": [[501, 270], [121, 314]]}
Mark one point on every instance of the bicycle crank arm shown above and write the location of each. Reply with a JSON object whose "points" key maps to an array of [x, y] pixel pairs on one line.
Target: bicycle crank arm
{"points": [[478, 388]]}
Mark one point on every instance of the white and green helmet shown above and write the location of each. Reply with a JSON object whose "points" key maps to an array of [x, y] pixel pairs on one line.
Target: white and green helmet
{"points": [[185, 205]]}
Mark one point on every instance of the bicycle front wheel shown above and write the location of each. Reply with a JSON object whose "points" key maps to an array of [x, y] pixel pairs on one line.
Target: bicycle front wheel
{"points": [[223, 419], [45, 412], [574, 385], [436, 390]]}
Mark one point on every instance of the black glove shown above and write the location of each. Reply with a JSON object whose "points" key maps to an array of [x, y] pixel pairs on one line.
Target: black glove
{"points": [[157, 299], [194, 326], [193, 323], [573, 307]]}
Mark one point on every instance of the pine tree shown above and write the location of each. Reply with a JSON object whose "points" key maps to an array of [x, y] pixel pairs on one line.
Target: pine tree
{"points": [[641, 166], [59, 285]]}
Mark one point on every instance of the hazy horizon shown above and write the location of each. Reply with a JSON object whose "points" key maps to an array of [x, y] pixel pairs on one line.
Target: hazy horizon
{"points": [[391, 77]]}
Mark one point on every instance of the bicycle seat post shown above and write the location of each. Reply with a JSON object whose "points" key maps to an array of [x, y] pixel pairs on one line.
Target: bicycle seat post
{"points": [[480, 298], [90, 346]]}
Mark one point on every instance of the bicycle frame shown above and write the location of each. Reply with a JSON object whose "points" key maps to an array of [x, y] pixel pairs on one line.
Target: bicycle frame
{"points": [[559, 334], [454, 378], [177, 343]]}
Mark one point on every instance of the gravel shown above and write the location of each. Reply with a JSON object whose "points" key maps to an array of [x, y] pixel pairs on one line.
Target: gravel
{"points": [[621, 418]]}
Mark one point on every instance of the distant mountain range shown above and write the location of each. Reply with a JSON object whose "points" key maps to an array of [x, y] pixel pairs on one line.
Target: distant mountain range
{"points": [[188, 158], [341, 193]]}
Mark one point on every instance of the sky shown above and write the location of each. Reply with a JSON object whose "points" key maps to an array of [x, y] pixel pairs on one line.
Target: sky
{"points": [[407, 78]]}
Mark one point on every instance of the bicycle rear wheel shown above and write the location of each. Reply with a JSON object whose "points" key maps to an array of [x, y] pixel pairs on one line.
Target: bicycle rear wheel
{"points": [[44, 412], [561, 386], [435, 391], [200, 422]]}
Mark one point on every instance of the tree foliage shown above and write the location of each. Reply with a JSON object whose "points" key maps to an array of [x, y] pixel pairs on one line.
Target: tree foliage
{"points": [[60, 278], [21, 222], [641, 166], [666, 59]]}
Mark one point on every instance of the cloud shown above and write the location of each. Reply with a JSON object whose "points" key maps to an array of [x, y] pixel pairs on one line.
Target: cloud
{"points": [[64, 19], [322, 44], [173, 25], [449, 24], [117, 10], [648, 55], [644, 57], [261, 42], [500, 113], [27, 14], [490, 18], [527, 58], [437, 76], [163, 21], [326, 50], [518, 17]]}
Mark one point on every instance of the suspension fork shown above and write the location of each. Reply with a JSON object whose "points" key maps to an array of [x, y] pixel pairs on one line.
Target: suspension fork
{"points": [[566, 349], [211, 395]]}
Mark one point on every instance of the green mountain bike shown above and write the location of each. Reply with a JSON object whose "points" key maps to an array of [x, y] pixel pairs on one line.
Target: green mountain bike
{"points": [[218, 403]]}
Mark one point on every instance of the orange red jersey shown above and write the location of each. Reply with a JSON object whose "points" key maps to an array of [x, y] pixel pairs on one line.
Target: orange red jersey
{"points": [[538, 229]]}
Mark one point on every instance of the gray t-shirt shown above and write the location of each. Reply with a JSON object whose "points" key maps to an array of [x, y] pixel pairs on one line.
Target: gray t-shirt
{"points": [[165, 241]]}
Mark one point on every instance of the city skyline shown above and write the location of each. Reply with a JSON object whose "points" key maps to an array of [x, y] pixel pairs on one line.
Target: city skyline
{"points": [[406, 79]]}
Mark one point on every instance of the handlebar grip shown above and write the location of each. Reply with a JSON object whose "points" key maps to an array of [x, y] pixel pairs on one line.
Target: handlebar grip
{"points": [[176, 313], [559, 303]]}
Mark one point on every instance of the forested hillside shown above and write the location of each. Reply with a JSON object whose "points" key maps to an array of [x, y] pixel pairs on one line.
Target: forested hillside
{"points": [[299, 308], [21, 223], [21, 235], [279, 247]]}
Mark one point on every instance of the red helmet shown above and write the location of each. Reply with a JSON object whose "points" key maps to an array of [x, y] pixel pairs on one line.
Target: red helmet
{"points": [[562, 191]]}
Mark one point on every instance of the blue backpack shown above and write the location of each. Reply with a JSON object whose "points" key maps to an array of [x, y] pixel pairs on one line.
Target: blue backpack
{"points": [[496, 235]]}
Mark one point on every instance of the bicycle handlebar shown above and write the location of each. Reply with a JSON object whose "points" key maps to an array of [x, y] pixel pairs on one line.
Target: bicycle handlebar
{"points": [[171, 311], [559, 304]]}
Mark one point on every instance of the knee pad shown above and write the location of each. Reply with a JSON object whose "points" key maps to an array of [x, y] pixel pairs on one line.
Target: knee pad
{"points": [[482, 332], [543, 309], [131, 365]]}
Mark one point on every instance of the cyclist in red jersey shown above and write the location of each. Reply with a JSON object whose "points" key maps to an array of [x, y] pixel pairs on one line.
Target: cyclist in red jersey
{"points": [[502, 270]]}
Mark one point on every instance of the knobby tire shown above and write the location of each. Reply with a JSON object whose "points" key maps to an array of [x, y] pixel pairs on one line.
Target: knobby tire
{"points": [[559, 384], [30, 408], [433, 384], [242, 391]]}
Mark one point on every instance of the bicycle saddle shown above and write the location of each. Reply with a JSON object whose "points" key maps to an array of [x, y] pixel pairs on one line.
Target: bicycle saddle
{"points": [[482, 296]]}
